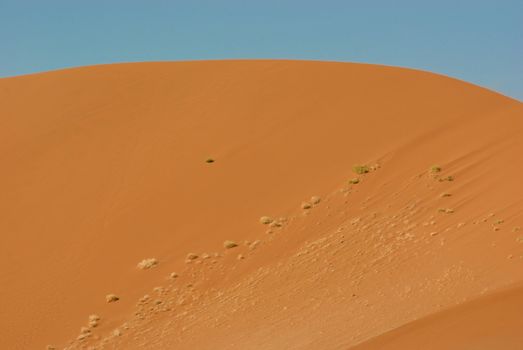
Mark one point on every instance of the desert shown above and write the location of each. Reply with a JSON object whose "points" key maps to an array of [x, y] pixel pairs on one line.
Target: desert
{"points": [[259, 204]]}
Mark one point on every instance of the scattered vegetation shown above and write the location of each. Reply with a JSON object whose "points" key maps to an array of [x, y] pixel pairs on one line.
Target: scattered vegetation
{"points": [[435, 169], [443, 195], [361, 169], [229, 244], [147, 263], [191, 256], [446, 210], [209, 160], [354, 181], [306, 205], [265, 220], [111, 298]]}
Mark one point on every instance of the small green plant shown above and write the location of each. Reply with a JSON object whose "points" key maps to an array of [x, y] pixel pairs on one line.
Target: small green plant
{"points": [[435, 169], [209, 160], [361, 169], [354, 181]]}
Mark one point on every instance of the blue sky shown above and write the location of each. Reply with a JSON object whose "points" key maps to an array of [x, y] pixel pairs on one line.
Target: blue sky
{"points": [[474, 40]]}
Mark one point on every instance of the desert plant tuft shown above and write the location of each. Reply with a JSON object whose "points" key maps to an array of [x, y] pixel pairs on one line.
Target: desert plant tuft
{"points": [[190, 257], [111, 298], [229, 244], [147, 263], [265, 220], [435, 169], [306, 205], [361, 169], [354, 181], [209, 160]]}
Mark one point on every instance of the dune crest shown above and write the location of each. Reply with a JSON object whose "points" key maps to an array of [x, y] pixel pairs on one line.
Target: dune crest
{"points": [[342, 201]]}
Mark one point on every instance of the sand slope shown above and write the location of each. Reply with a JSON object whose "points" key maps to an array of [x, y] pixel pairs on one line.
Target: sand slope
{"points": [[105, 166], [491, 322]]}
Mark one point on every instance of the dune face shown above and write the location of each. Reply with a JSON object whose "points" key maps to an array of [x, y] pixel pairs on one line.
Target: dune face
{"points": [[492, 322], [148, 183]]}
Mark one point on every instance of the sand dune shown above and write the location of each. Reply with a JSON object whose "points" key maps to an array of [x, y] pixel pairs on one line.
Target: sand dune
{"points": [[492, 322], [106, 170]]}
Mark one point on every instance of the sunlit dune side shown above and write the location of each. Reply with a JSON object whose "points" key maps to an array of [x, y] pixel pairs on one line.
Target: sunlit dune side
{"points": [[256, 205]]}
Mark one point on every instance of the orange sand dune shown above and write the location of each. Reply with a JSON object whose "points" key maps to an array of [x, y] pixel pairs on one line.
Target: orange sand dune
{"points": [[105, 166], [492, 322]]}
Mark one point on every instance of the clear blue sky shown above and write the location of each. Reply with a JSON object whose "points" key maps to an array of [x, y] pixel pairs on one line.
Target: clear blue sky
{"points": [[474, 40]]}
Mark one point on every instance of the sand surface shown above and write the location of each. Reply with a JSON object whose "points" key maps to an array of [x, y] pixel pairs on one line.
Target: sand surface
{"points": [[492, 322], [105, 167]]}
